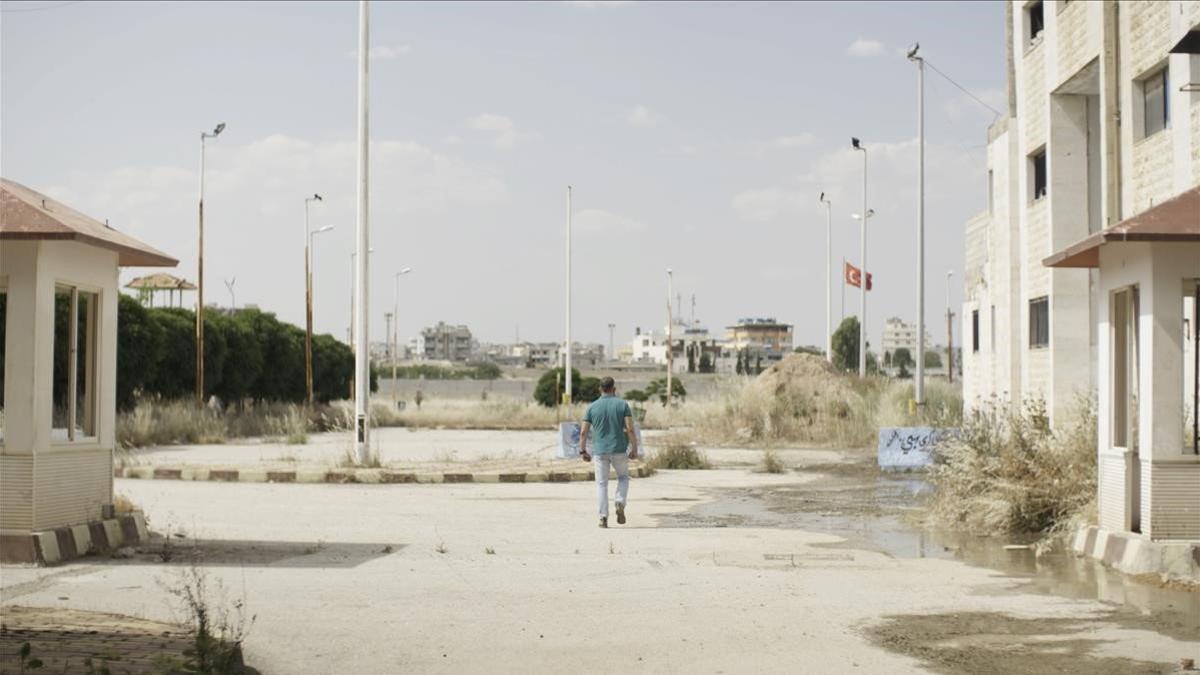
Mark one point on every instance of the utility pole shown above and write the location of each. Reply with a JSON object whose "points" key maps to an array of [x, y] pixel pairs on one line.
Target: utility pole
{"points": [[200, 274], [920, 355], [394, 333], [567, 391], [232, 298], [308, 370], [862, 282], [949, 332], [828, 278], [611, 354], [362, 355]]}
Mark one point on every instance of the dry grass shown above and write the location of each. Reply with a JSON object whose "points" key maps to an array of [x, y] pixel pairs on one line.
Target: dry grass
{"points": [[803, 400], [771, 462], [1011, 472], [123, 506], [159, 422], [494, 413]]}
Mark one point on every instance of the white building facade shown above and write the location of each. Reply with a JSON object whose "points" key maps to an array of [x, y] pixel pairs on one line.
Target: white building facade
{"points": [[1103, 123]]}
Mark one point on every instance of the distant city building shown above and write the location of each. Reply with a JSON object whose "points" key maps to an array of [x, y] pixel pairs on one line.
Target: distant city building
{"points": [[897, 334], [767, 335], [445, 342]]}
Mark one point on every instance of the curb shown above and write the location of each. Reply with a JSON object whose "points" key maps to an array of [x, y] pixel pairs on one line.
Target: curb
{"points": [[360, 476], [47, 547], [1135, 554]]}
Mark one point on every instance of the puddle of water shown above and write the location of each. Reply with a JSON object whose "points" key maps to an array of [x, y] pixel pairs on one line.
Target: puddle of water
{"points": [[872, 511]]}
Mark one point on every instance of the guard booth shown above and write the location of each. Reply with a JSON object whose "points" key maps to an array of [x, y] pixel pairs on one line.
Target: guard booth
{"points": [[58, 335], [1149, 290]]}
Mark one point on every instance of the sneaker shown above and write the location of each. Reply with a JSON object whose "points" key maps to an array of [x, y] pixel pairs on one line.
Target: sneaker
{"points": [[620, 514], [604, 521]]}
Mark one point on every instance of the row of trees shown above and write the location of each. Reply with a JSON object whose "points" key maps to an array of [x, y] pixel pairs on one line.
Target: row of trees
{"points": [[248, 355], [552, 385]]}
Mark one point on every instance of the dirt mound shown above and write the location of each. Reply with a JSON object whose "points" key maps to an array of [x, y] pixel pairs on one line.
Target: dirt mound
{"points": [[799, 370]]}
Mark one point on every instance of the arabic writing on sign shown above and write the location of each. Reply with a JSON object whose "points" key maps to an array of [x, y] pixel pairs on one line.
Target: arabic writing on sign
{"points": [[911, 447]]}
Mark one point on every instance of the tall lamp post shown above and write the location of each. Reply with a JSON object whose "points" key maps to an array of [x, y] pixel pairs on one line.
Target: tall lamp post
{"points": [[310, 267], [862, 286], [567, 378], [204, 135], [395, 336], [611, 355], [308, 374], [920, 384], [828, 274]]}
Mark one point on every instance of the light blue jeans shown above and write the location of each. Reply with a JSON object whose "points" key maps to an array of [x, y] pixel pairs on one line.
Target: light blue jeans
{"points": [[602, 463]]}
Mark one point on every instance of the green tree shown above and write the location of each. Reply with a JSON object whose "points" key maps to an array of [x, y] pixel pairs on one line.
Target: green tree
{"points": [[902, 359], [933, 360], [845, 345], [589, 389], [691, 357], [658, 389], [175, 374], [706, 363], [545, 392], [741, 369]]}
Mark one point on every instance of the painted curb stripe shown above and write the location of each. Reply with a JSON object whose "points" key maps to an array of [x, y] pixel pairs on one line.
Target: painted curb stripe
{"points": [[356, 476]]}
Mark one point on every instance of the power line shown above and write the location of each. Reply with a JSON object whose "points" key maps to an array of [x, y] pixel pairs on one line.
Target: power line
{"points": [[964, 90], [39, 9]]}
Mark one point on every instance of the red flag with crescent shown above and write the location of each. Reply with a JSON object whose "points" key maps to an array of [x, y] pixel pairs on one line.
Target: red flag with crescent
{"points": [[854, 276]]}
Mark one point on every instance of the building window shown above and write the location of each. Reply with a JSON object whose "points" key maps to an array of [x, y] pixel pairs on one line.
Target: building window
{"points": [[1039, 322], [1037, 167], [1035, 19], [1124, 368], [1156, 111], [975, 331], [73, 402]]}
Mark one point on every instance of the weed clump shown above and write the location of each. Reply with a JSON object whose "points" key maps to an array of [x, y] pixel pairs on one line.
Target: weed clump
{"points": [[771, 462], [678, 453]]}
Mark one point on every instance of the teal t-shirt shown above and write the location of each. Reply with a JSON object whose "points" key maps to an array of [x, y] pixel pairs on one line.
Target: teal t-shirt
{"points": [[606, 415]]}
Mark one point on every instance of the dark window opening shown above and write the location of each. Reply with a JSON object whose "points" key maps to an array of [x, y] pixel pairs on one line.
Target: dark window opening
{"points": [[1039, 322], [1037, 21], [975, 331], [1039, 174]]}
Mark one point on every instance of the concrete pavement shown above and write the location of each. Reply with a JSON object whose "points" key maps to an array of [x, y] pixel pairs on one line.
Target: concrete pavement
{"points": [[368, 578]]}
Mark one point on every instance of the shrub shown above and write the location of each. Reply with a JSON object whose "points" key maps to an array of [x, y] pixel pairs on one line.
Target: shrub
{"points": [[658, 389], [772, 463]]}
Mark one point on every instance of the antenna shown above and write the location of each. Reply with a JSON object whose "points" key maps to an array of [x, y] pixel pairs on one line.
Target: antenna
{"points": [[232, 299]]}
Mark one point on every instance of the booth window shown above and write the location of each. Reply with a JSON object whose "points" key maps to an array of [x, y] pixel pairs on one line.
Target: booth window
{"points": [[1125, 368], [74, 390], [3, 332]]}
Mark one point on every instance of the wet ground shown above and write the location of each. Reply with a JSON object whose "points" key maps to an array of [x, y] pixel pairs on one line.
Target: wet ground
{"points": [[879, 511]]}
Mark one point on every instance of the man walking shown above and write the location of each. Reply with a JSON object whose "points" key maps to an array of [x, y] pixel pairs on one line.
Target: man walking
{"points": [[613, 423]]}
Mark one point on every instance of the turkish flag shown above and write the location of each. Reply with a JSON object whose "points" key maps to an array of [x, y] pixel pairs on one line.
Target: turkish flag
{"points": [[854, 276]]}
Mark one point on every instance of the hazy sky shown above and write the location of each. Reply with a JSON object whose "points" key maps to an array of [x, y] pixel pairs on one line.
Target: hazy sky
{"points": [[697, 137]]}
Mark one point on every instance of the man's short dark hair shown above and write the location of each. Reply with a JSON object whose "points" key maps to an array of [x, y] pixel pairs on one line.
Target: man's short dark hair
{"points": [[607, 384]]}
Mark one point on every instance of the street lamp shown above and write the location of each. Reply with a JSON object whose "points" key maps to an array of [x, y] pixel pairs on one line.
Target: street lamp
{"points": [[204, 135], [308, 374], [353, 270], [949, 331], [862, 286], [828, 274], [611, 355], [396, 327]]}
